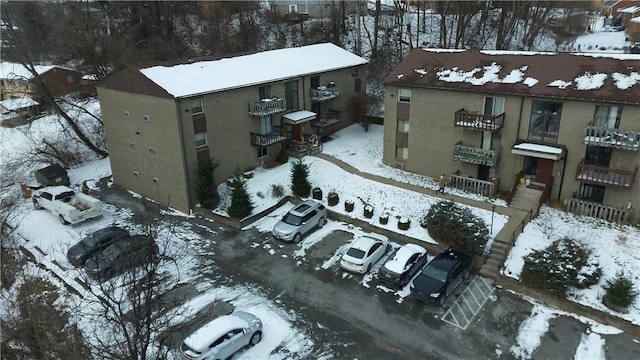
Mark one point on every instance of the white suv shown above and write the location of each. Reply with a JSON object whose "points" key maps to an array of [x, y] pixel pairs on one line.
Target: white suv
{"points": [[300, 220]]}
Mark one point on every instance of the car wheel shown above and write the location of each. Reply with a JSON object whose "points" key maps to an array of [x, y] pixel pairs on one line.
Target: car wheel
{"points": [[297, 238], [322, 222], [36, 204], [62, 220], [255, 338]]}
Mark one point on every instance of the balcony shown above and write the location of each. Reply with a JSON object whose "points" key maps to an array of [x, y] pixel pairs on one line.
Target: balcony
{"points": [[324, 93], [598, 175], [473, 155], [267, 107], [466, 183], [473, 121], [610, 137], [326, 119], [279, 134]]}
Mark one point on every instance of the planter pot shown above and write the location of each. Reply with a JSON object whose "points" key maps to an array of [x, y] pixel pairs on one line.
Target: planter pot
{"points": [[368, 212], [384, 219], [248, 174], [348, 206], [333, 199], [404, 224], [317, 193]]}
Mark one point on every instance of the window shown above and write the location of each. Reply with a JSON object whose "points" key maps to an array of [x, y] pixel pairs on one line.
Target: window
{"points": [[315, 81], [357, 85], [597, 156], [156, 181], [593, 193], [404, 95], [266, 126], [493, 105], [146, 118], [199, 130], [127, 114], [545, 121], [403, 126], [195, 106], [607, 116], [291, 94], [262, 151], [402, 152], [264, 92], [293, 8], [200, 139]]}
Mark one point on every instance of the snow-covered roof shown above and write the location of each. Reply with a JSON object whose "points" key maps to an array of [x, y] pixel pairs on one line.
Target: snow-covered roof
{"points": [[297, 117], [184, 80], [9, 70], [538, 150], [18, 103], [584, 76], [630, 10], [401, 257], [211, 331]]}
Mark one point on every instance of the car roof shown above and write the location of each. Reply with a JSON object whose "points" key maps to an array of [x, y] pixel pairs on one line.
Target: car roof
{"points": [[365, 242], [305, 206], [203, 337], [57, 190], [402, 255]]}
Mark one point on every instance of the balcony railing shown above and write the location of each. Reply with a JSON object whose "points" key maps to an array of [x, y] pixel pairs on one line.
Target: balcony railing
{"points": [[598, 175], [324, 93], [267, 107], [326, 119], [473, 155], [597, 210], [279, 134], [615, 138], [473, 121], [466, 183]]}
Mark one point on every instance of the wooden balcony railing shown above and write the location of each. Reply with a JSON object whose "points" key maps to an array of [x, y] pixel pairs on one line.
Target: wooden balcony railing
{"points": [[473, 121], [597, 210], [324, 93], [598, 175], [279, 134], [267, 107], [615, 138], [483, 187], [326, 119], [473, 155]]}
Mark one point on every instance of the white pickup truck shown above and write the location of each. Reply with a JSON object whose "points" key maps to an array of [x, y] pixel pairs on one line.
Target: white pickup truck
{"points": [[69, 206]]}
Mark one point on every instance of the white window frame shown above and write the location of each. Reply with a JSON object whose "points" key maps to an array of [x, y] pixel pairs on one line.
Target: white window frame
{"points": [[200, 137], [404, 95], [402, 152], [197, 109], [146, 118], [403, 126]]}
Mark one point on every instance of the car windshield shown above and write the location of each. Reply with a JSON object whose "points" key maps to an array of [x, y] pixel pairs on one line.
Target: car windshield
{"points": [[355, 253], [435, 273], [91, 240], [109, 254], [292, 219]]}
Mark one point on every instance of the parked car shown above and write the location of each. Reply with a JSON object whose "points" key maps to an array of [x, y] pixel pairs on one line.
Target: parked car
{"points": [[403, 263], [93, 243], [121, 255], [300, 220], [222, 337], [364, 252], [442, 276], [70, 207]]}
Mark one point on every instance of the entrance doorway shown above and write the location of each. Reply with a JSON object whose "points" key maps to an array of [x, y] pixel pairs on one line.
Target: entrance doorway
{"points": [[540, 170]]}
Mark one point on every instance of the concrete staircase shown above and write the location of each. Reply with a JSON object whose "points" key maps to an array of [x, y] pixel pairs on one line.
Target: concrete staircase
{"points": [[524, 205]]}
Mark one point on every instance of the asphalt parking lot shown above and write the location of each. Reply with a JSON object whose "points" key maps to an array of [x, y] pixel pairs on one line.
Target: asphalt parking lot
{"points": [[348, 316]]}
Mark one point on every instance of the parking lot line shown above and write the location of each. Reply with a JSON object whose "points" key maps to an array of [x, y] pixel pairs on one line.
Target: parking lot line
{"points": [[473, 298]]}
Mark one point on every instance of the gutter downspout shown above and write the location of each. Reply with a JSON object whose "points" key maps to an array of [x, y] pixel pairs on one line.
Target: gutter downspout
{"points": [[183, 151], [564, 167]]}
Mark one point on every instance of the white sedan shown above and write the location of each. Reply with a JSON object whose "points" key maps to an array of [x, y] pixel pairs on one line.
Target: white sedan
{"points": [[364, 252]]}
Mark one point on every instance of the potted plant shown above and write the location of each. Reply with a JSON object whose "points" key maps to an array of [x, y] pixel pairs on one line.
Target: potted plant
{"points": [[348, 205], [316, 193], [384, 218], [368, 211], [332, 198], [404, 223]]}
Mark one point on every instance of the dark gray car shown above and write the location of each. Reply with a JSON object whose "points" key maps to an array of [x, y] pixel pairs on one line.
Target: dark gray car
{"points": [[124, 254], [93, 243]]}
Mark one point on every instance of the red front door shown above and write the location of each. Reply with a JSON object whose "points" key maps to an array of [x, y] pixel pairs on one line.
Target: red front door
{"points": [[544, 170], [296, 132]]}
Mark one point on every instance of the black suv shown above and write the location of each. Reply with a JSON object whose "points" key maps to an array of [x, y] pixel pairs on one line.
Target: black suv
{"points": [[124, 254], [94, 242]]}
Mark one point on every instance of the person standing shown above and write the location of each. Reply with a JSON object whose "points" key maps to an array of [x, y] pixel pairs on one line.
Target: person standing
{"points": [[441, 184]]}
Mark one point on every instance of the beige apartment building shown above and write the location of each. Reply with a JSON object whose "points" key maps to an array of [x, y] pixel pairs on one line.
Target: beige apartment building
{"points": [[490, 119], [241, 111]]}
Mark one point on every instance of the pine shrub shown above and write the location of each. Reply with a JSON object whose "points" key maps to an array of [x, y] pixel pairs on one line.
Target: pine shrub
{"points": [[241, 204], [206, 190], [563, 264], [456, 225], [620, 290], [300, 185]]}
